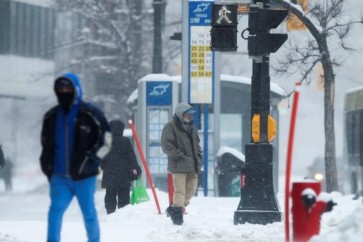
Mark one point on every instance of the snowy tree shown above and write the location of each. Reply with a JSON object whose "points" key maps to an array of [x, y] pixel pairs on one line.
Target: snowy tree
{"points": [[328, 29], [113, 41]]}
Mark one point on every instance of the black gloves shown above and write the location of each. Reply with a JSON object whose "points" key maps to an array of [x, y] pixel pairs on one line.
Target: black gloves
{"points": [[135, 173]]}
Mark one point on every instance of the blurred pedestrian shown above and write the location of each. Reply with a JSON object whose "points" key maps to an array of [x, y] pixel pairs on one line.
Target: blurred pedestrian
{"points": [[180, 142], [7, 173], [72, 135], [2, 158], [120, 167]]}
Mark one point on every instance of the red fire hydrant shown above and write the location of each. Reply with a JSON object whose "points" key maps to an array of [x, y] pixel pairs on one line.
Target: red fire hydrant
{"points": [[308, 204]]}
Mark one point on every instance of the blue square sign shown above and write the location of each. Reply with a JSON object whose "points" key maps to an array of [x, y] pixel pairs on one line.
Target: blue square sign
{"points": [[159, 93]]}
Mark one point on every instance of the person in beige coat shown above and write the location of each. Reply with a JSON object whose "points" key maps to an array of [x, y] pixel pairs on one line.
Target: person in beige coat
{"points": [[180, 142]]}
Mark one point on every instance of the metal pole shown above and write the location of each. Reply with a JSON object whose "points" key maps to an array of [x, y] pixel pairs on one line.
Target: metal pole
{"points": [[185, 51], [205, 150], [258, 204], [158, 6]]}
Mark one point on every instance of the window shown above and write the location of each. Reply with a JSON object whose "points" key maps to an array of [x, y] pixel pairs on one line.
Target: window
{"points": [[4, 27], [25, 29]]}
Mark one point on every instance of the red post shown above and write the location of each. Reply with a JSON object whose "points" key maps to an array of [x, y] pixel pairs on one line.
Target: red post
{"points": [[288, 160], [136, 137], [170, 188]]}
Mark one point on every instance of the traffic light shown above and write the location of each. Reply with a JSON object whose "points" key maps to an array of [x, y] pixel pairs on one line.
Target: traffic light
{"points": [[260, 22], [224, 27]]}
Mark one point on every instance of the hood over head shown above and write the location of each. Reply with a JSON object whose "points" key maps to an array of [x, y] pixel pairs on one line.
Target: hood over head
{"points": [[69, 80], [181, 108], [117, 127]]}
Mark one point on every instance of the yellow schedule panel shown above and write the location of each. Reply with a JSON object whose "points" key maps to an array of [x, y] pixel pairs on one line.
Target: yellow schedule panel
{"points": [[200, 65]]}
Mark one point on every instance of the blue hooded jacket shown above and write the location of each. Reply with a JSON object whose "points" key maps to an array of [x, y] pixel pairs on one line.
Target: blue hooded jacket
{"points": [[64, 133], [70, 141]]}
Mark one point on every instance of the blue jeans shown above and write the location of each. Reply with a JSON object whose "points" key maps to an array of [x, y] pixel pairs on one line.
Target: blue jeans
{"points": [[62, 191]]}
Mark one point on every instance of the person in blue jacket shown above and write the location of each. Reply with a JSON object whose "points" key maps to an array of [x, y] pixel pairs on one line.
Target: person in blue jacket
{"points": [[73, 133]]}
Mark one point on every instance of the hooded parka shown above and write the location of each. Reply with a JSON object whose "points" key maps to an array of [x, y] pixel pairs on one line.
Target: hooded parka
{"points": [[180, 142], [70, 141], [120, 161]]}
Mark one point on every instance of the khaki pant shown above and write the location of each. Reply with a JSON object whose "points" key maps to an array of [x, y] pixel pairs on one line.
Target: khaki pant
{"points": [[185, 185]]}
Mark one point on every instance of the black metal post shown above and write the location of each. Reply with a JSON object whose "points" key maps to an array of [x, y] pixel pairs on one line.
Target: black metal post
{"points": [[258, 204], [158, 6]]}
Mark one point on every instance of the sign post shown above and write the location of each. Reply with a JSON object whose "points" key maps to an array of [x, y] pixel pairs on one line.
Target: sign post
{"points": [[200, 68], [258, 204]]}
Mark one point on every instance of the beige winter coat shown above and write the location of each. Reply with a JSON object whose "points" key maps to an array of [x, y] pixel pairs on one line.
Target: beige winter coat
{"points": [[180, 142]]}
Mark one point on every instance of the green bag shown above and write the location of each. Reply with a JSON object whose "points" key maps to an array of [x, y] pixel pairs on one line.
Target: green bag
{"points": [[139, 194]]}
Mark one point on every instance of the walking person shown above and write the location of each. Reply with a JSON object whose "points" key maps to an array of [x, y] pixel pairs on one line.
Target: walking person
{"points": [[7, 174], [180, 142], [119, 167], [72, 136], [2, 158]]}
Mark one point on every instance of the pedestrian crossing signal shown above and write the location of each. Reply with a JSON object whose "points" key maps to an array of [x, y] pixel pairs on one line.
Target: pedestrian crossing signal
{"points": [[224, 39], [224, 27], [260, 22], [224, 15]]}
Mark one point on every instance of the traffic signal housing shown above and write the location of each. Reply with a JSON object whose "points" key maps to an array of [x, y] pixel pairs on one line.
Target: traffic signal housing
{"points": [[260, 22], [224, 27]]}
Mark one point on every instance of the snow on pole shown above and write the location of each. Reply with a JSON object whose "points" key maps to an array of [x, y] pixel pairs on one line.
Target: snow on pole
{"points": [[288, 159], [136, 137]]}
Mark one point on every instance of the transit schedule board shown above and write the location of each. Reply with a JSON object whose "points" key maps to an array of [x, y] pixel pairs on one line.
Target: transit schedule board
{"points": [[201, 57]]}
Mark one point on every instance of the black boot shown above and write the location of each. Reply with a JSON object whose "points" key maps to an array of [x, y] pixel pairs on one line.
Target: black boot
{"points": [[109, 211], [176, 214]]}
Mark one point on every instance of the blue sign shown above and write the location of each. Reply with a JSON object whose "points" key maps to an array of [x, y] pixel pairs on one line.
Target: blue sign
{"points": [[200, 13], [159, 93]]}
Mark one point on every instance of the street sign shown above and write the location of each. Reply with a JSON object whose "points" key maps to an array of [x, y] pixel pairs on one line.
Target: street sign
{"points": [[200, 54]]}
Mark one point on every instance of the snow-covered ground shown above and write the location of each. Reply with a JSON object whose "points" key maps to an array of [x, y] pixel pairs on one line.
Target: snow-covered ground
{"points": [[23, 215]]}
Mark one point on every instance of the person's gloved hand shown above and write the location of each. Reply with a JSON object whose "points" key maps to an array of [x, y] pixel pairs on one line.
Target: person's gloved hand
{"points": [[103, 151], [135, 173], [139, 171]]}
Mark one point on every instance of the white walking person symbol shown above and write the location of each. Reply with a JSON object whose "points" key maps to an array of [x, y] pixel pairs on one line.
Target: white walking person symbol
{"points": [[223, 15]]}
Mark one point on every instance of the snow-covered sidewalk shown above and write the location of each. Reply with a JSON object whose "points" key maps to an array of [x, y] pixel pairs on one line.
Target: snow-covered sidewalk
{"points": [[23, 219]]}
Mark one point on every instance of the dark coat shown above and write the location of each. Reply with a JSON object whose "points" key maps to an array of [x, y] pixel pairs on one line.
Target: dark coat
{"points": [[119, 163], [84, 162], [2, 159], [180, 142]]}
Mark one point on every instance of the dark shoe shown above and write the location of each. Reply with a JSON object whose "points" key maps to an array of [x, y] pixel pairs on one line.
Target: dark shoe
{"points": [[176, 214], [110, 211], [168, 211]]}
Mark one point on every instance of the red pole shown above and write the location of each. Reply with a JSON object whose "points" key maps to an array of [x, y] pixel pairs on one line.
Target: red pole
{"points": [[288, 160], [170, 188], [145, 164]]}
